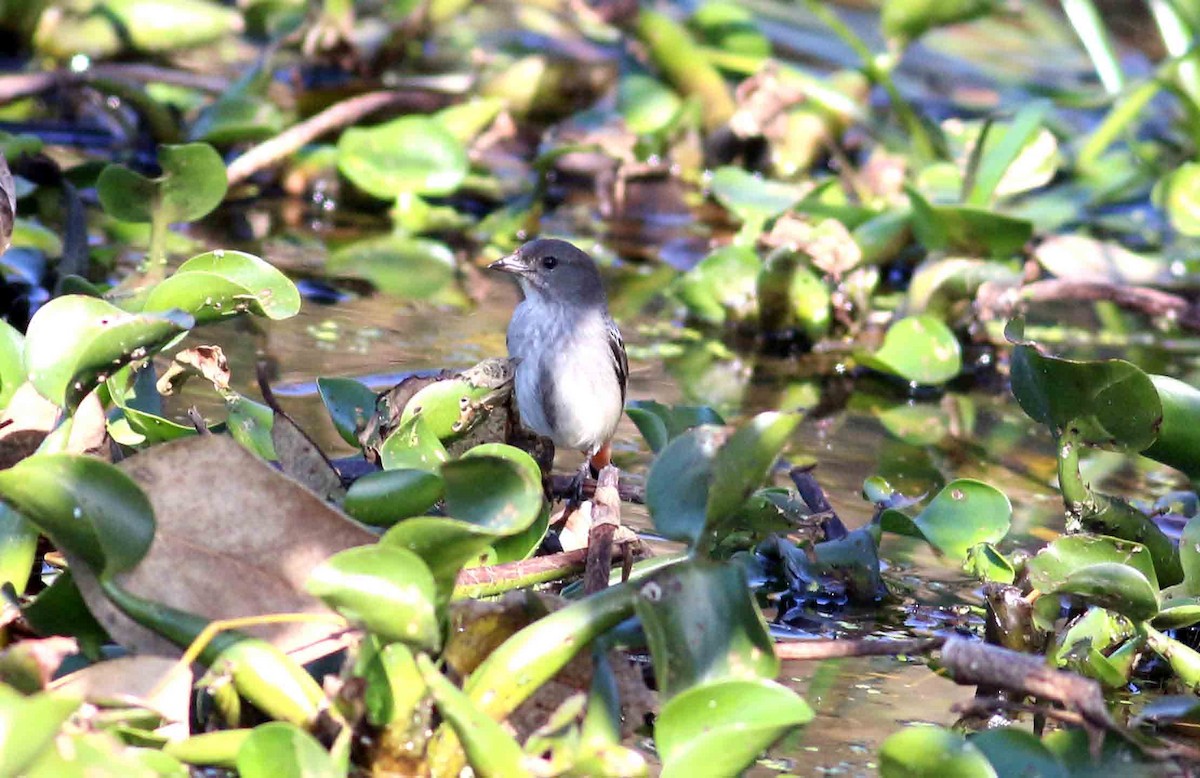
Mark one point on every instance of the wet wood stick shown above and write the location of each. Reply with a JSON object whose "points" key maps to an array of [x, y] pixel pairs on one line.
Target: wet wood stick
{"points": [[606, 517]]}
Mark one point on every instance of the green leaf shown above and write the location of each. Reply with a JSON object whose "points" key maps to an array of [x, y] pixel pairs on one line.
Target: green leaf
{"points": [[743, 464], [1189, 555], [791, 295], [12, 365], [1178, 441], [237, 118], [723, 286], [931, 752], [411, 154], [646, 104], [1111, 402], [445, 545], [702, 625], [720, 728], [18, 548], [1114, 574], [384, 498], [29, 726], [412, 446], [660, 423], [1007, 144], [750, 197], [678, 484], [906, 20], [88, 507], [987, 564], [963, 229], [405, 268], [386, 589], [282, 750], [395, 688], [60, 610], [1013, 752], [447, 406], [965, 513], [350, 403], [220, 284], [919, 349], [75, 342], [250, 424], [497, 493], [192, 184], [490, 749], [263, 674], [1178, 193]]}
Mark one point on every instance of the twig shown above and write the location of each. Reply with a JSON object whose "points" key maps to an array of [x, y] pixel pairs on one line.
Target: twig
{"points": [[974, 663], [334, 117], [1149, 302], [837, 649], [493, 579], [606, 517], [198, 421]]}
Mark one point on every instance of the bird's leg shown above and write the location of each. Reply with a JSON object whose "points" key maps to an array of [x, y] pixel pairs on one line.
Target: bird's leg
{"points": [[575, 491]]}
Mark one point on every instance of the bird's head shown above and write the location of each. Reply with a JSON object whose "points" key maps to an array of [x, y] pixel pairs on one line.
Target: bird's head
{"points": [[555, 271]]}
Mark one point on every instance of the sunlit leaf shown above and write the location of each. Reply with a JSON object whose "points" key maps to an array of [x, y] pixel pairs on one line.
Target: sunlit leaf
{"points": [[411, 154], [75, 342], [678, 483], [384, 498], [350, 403], [192, 184], [29, 725], [1178, 193], [920, 349], [412, 445], [743, 463], [965, 513], [12, 364], [932, 752], [281, 750], [1112, 573], [723, 286], [720, 728], [387, 590], [752, 198], [223, 283]]}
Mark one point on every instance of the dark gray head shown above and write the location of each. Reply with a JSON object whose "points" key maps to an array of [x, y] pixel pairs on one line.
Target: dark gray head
{"points": [[554, 270]]}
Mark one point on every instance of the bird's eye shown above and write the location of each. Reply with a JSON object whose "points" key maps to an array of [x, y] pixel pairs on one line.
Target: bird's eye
{"points": [[549, 262]]}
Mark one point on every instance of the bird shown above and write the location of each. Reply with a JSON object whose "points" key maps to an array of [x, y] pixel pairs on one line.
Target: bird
{"points": [[571, 365]]}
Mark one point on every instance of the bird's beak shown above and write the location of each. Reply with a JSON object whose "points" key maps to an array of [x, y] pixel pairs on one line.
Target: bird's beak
{"points": [[513, 263]]}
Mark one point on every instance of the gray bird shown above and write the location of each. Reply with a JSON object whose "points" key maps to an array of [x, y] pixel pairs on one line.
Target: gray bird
{"points": [[572, 366]]}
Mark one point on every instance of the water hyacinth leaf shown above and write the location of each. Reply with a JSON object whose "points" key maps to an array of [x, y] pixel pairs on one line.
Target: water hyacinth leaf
{"points": [[385, 589], [18, 548], [1177, 612], [723, 286], [986, 563], [282, 750], [731, 28], [30, 725], [720, 728], [490, 749], [1189, 555], [791, 295], [192, 184], [966, 229], [1111, 402], [1178, 442], [918, 349], [1010, 150], [413, 154], [752, 198], [646, 104], [445, 545], [744, 463], [1178, 193], [74, 342], [88, 507], [445, 406], [218, 748], [702, 625], [384, 498], [412, 446], [250, 424], [350, 403], [1183, 659], [222, 283], [406, 268], [660, 424], [497, 493], [467, 119], [1013, 751], [932, 752], [1084, 258], [235, 118], [394, 686], [964, 513], [60, 610], [155, 27], [1115, 574], [263, 674], [678, 483], [12, 361], [515, 542]]}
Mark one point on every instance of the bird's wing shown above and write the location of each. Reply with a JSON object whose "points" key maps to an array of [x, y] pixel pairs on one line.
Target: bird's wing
{"points": [[620, 358]]}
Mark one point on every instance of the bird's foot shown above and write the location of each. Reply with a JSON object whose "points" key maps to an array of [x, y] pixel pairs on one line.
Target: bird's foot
{"points": [[575, 490]]}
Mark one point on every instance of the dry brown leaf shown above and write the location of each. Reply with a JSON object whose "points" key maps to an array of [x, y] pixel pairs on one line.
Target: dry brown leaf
{"points": [[208, 362], [235, 538], [157, 683], [29, 417]]}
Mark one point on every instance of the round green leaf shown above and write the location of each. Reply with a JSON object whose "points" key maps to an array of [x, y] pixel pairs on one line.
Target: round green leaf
{"points": [[1115, 574], [12, 365], [1177, 612], [223, 283], [386, 589], [919, 349], [723, 286], [442, 405], [445, 545], [350, 403], [932, 752], [75, 342], [407, 268], [965, 513], [412, 154], [678, 483], [381, 499], [88, 507], [237, 118], [720, 728], [1178, 193], [967, 230], [751, 197], [412, 446], [1111, 402], [646, 104], [493, 492], [192, 184], [282, 750], [514, 546], [744, 462]]}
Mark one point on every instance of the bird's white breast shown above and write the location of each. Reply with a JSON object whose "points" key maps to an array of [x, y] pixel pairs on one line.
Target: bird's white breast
{"points": [[574, 351]]}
